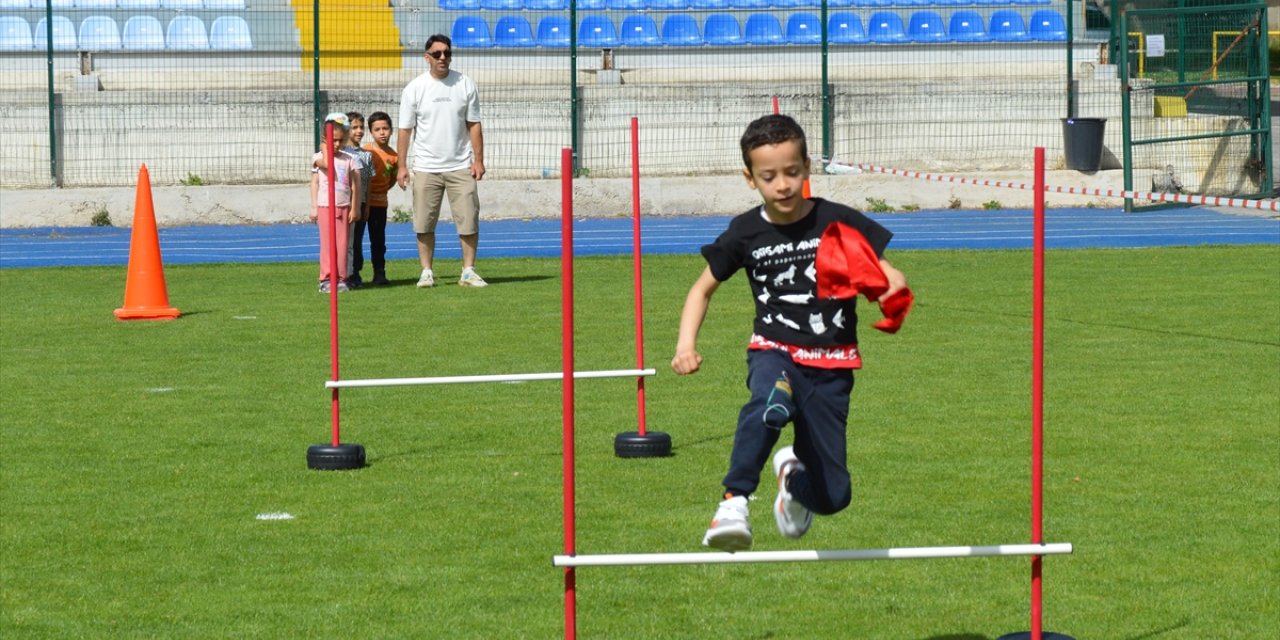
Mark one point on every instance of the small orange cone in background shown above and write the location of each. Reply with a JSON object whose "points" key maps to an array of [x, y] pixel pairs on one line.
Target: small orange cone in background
{"points": [[145, 296]]}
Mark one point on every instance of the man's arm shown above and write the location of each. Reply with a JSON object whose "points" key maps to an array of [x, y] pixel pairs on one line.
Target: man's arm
{"points": [[477, 149], [687, 359], [402, 152]]}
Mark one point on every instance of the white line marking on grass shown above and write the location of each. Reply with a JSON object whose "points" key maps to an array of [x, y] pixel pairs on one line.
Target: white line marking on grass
{"points": [[159, 389], [244, 317], [275, 515]]}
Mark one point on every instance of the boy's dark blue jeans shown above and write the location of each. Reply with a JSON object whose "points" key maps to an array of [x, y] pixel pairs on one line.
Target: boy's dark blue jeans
{"points": [[377, 224], [816, 403]]}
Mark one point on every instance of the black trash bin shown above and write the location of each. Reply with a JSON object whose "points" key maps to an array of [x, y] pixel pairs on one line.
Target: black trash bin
{"points": [[1082, 142]]}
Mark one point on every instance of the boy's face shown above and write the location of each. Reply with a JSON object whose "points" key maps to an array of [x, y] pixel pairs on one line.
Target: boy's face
{"points": [[778, 172], [357, 131], [381, 131]]}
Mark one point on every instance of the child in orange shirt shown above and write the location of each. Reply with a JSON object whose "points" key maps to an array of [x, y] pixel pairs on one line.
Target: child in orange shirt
{"points": [[385, 165]]}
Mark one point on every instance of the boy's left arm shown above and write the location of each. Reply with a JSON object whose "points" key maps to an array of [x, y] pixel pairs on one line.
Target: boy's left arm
{"points": [[357, 207], [897, 280]]}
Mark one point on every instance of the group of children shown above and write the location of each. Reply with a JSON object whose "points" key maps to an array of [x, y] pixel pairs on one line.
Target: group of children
{"points": [[362, 177]]}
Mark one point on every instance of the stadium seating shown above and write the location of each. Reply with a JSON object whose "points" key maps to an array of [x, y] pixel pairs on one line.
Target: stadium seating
{"points": [[967, 26], [1032, 2], [844, 27], [704, 5], [553, 32], [749, 4], [804, 28], [546, 5], [872, 4], [886, 27], [224, 5], [186, 33], [501, 5], [722, 29], [181, 5], [598, 31], [666, 5], [15, 34], [230, 33], [143, 33], [15, 4], [460, 5], [1007, 26], [64, 34], [591, 5], [471, 32], [926, 26], [513, 31], [99, 33], [138, 5], [624, 5], [681, 30], [1048, 25], [763, 28], [640, 31], [94, 5]]}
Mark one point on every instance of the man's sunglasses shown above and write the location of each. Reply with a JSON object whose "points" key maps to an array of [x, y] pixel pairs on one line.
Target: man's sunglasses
{"points": [[447, 53]]}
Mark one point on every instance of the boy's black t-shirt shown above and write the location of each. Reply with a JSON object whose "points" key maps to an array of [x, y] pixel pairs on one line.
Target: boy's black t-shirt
{"points": [[779, 261]]}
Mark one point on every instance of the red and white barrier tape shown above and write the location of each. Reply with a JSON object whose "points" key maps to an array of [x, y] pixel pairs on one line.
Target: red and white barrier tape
{"points": [[1265, 205]]}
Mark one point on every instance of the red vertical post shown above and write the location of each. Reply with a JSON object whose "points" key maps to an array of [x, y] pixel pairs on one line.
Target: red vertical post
{"points": [[775, 105], [636, 269], [566, 294], [806, 191], [1037, 397], [333, 278]]}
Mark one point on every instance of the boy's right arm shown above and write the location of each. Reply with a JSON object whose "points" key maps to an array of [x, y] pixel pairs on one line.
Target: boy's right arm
{"points": [[687, 359]]}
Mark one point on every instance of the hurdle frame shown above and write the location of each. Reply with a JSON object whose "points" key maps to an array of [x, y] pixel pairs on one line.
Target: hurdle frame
{"points": [[1037, 549]]}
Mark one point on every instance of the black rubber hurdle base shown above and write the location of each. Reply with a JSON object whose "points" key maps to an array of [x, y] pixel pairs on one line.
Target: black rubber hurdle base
{"points": [[653, 444], [1044, 635], [327, 457]]}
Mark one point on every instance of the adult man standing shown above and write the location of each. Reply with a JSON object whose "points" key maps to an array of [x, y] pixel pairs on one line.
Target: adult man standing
{"points": [[440, 111]]}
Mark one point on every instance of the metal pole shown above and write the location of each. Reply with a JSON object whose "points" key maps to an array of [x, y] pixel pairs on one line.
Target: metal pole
{"points": [[53, 135], [566, 294]]}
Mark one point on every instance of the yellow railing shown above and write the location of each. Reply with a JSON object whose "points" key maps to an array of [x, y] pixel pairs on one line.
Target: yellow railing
{"points": [[1216, 34]]}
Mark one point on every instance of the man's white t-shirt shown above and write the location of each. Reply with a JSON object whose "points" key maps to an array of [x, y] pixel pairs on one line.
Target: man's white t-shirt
{"points": [[438, 112]]}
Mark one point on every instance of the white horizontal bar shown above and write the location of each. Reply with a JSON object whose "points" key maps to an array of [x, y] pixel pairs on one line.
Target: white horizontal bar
{"points": [[511, 377], [904, 553]]}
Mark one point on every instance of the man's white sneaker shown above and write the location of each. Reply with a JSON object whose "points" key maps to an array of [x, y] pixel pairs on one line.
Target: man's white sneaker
{"points": [[471, 279], [793, 518], [729, 530], [427, 279]]}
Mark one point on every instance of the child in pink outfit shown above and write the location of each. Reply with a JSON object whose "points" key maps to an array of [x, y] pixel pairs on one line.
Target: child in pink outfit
{"points": [[346, 201]]}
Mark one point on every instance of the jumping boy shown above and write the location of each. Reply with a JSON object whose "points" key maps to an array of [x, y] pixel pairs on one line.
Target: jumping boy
{"points": [[803, 350]]}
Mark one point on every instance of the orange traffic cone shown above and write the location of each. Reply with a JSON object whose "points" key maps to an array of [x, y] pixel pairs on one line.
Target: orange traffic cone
{"points": [[145, 296]]}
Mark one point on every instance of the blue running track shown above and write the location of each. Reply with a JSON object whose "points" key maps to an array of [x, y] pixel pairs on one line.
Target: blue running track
{"points": [[946, 229]]}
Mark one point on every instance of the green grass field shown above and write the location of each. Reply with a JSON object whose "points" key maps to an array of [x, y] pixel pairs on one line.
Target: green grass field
{"points": [[137, 455]]}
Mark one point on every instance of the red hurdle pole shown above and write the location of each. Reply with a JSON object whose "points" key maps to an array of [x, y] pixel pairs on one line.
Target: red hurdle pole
{"points": [[636, 268], [566, 294], [1037, 398], [333, 277], [806, 190]]}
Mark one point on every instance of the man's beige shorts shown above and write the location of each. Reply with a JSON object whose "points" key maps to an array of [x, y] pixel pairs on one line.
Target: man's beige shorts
{"points": [[464, 201]]}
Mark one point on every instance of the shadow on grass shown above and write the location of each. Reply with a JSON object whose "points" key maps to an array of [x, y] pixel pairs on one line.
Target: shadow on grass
{"points": [[959, 636], [413, 282], [1159, 632]]}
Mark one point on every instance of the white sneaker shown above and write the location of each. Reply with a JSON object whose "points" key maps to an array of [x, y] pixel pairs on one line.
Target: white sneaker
{"points": [[793, 518], [729, 530], [428, 279], [471, 279]]}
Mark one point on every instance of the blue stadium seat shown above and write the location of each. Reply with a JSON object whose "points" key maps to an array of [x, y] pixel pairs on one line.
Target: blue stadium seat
{"points": [[763, 28], [950, 3], [872, 4], [749, 4], [186, 33], [910, 3], [886, 27], [598, 32], [838, 4], [1048, 25], [92, 5], [502, 5], [64, 34], [470, 32], [681, 30], [845, 27], [591, 5], [99, 33], [15, 34], [1033, 2], [640, 31], [224, 5], [722, 29], [926, 26], [143, 33], [553, 32], [229, 33], [666, 5], [546, 5], [460, 5], [804, 28], [1007, 26], [182, 5], [624, 5], [513, 32], [967, 26], [704, 5], [138, 5]]}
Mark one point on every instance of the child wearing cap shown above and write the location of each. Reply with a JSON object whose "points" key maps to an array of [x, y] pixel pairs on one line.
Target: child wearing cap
{"points": [[342, 211]]}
